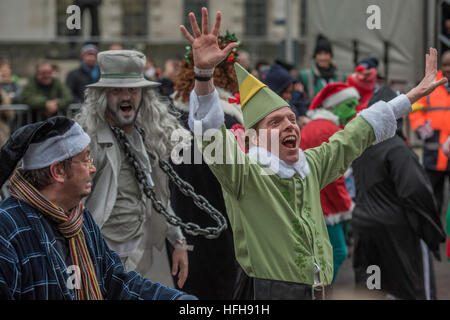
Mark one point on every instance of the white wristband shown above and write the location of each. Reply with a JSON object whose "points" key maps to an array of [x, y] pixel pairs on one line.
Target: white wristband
{"points": [[203, 72], [184, 247], [181, 244]]}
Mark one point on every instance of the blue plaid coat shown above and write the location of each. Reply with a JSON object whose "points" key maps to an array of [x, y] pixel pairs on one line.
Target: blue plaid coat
{"points": [[31, 267]]}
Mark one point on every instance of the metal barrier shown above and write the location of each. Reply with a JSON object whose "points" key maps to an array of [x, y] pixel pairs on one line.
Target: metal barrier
{"points": [[23, 114]]}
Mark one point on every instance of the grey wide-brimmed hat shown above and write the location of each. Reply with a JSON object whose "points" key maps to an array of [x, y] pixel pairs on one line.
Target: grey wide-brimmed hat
{"points": [[122, 69]]}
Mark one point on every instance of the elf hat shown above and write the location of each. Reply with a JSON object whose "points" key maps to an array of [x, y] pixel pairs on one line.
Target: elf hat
{"points": [[257, 100], [333, 94]]}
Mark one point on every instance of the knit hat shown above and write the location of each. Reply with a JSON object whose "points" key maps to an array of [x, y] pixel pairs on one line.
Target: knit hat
{"points": [[322, 44], [286, 65], [366, 64], [42, 143], [257, 100], [89, 48], [333, 94], [278, 79]]}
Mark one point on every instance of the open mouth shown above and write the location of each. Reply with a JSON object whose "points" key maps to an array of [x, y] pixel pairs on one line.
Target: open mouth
{"points": [[126, 108], [290, 142]]}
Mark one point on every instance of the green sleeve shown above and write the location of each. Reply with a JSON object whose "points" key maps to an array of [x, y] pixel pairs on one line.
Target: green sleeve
{"points": [[32, 97], [226, 160], [332, 159]]}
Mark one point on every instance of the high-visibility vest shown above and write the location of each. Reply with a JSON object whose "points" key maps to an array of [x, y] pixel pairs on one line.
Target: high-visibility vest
{"points": [[436, 109]]}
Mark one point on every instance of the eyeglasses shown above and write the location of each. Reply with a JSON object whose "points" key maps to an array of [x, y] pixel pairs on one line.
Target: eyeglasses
{"points": [[88, 162]]}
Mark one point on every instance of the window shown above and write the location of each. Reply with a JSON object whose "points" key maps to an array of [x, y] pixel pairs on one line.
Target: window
{"points": [[134, 18], [256, 18], [194, 6], [303, 15]]}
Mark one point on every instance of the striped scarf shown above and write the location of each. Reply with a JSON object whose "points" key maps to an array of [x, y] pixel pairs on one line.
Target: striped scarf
{"points": [[70, 227]]}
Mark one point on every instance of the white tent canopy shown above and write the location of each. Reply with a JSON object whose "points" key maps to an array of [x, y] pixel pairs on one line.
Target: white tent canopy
{"points": [[404, 25]]}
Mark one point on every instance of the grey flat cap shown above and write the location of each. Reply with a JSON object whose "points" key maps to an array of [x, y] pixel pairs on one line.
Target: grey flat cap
{"points": [[122, 69]]}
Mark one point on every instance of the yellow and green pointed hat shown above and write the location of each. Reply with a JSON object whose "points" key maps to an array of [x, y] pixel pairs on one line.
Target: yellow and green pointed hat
{"points": [[257, 99]]}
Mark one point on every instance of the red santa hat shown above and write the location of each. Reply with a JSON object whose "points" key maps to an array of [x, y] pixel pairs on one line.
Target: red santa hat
{"points": [[333, 94]]}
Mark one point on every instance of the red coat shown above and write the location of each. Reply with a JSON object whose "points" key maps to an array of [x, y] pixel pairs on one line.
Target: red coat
{"points": [[336, 202]]}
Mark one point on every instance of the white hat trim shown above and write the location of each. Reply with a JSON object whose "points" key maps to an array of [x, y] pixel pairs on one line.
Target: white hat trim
{"points": [[340, 96], [58, 148]]}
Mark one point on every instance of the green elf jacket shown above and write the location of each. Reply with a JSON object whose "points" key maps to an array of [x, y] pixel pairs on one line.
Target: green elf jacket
{"points": [[278, 225]]}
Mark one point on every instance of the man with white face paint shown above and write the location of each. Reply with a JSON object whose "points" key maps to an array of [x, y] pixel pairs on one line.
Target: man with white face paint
{"points": [[124, 99], [279, 232]]}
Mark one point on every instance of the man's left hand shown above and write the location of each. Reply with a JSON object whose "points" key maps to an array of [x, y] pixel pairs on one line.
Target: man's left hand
{"points": [[180, 265]]}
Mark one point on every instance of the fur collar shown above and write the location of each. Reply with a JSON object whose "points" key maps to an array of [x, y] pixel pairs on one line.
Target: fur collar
{"points": [[278, 166], [322, 113], [231, 109]]}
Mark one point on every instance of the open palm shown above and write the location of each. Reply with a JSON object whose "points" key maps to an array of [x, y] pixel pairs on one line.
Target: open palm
{"points": [[428, 83], [205, 47]]}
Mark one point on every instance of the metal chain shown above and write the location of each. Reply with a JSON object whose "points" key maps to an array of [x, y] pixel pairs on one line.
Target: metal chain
{"points": [[187, 189]]}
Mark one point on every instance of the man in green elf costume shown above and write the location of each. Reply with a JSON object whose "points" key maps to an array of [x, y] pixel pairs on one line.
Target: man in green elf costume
{"points": [[272, 194]]}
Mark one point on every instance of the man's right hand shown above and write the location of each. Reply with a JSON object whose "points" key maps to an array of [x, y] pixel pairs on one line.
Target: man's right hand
{"points": [[428, 83], [205, 47]]}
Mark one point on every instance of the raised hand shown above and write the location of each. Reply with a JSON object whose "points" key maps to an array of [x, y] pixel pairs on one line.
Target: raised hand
{"points": [[428, 83], [205, 47]]}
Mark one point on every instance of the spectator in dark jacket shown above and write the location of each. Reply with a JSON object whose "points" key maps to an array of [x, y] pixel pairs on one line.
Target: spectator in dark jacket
{"points": [[281, 81], [171, 69], [87, 73], [45, 95], [395, 222]]}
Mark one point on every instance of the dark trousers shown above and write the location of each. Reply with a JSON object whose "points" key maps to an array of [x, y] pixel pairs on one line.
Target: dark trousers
{"points": [[437, 179], [265, 289]]}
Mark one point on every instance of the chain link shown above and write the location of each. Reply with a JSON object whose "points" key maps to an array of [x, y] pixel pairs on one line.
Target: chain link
{"points": [[187, 189]]}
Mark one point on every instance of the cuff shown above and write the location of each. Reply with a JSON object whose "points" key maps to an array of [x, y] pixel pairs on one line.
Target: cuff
{"points": [[401, 106], [205, 112], [382, 119]]}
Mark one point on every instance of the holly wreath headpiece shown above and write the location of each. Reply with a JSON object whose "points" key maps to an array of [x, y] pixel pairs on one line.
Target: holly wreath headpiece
{"points": [[227, 38]]}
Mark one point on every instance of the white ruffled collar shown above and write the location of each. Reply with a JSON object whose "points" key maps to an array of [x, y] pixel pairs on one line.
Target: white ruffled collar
{"points": [[278, 166]]}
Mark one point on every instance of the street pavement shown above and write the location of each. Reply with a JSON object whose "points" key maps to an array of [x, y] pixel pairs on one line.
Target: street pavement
{"points": [[343, 287]]}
